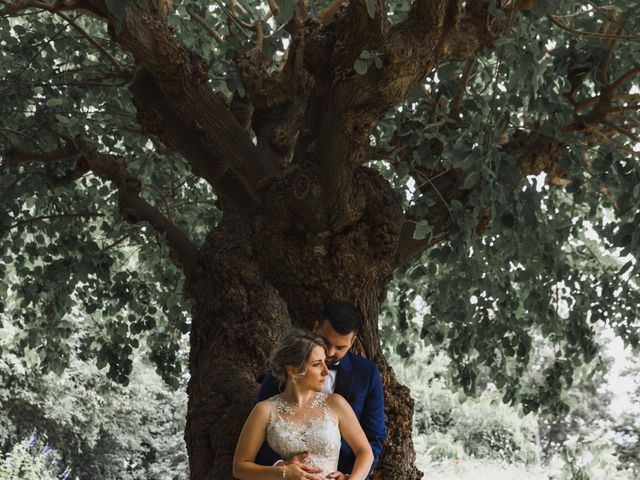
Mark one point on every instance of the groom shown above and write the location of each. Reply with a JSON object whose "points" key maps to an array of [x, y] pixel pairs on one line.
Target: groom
{"points": [[350, 375]]}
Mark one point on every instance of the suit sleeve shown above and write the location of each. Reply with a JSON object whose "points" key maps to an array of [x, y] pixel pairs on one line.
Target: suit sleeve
{"points": [[372, 419], [268, 389]]}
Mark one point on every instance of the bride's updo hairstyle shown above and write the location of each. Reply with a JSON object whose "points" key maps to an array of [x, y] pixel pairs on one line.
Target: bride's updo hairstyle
{"points": [[294, 351]]}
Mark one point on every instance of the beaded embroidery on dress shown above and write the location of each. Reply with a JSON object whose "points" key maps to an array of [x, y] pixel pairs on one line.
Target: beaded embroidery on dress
{"points": [[309, 428]]}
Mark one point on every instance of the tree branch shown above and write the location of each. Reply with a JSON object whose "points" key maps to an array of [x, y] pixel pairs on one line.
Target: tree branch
{"points": [[215, 35], [608, 141], [11, 8], [94, 42], [181, 100], [115, 243], [585, 103], [273, 6], [176, 104], [456, 102], [346, 106], [409, 247], [604, 65], [20, 134], [328, 13], [477, 29], [210, 148], [624, 78], [233, 17], [603, 106], [50, 217], [623, 131], [278, 99], [628, 108], [604, 12], [585, 33], [533, 152], [16, 157], [133, 208]]}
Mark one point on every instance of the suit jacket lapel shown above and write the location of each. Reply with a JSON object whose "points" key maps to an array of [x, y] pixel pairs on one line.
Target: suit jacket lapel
{"points": [[344, 377]]}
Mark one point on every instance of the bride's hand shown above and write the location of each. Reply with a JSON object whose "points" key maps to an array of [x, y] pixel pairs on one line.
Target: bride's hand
{"points": [[300, 471], [299, 458]]}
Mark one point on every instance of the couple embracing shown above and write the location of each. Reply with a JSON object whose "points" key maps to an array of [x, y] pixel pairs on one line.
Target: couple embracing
{"points": [[320, 412]]}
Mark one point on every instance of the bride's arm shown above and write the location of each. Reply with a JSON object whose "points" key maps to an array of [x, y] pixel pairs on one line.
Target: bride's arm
{"points": [[352, 432], [250, 441]]}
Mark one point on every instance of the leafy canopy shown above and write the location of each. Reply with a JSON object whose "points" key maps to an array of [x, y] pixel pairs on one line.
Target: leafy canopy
{"points": [[551, 255]]}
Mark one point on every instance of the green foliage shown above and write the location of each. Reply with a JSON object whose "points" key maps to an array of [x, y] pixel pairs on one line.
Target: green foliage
{"points": [[287, 8], [365, 60], [487, 433], [556, 263], [448, 426], [454, 433], [71, 251], [553, 267], [461, 437], [553, 262], [590, 402], [32, 459], [103, 430], [488, 300], [591, 458], [627, 428], [371, 7]]}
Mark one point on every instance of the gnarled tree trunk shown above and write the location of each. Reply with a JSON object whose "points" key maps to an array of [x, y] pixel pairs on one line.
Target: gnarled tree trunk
{"points": [[274, 274]]}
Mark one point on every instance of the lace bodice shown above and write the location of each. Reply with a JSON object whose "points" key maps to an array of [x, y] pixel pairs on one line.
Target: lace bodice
{"points": [[312, 427]]}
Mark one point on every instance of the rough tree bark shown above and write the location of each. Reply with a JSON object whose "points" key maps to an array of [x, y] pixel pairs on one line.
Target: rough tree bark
{"points": [[273, 274]]}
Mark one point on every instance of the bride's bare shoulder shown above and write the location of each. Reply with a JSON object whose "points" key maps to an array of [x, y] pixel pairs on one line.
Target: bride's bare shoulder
{"points": [[264, 408], [337, 401]]}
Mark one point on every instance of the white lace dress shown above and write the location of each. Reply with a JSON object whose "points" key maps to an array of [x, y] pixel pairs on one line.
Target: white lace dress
{"points": [[310, 428]]}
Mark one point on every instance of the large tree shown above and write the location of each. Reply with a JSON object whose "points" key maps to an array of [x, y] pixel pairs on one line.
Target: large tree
{"points": [[286, 152]]}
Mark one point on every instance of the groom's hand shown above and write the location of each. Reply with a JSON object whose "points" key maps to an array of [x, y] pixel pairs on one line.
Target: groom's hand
{"points": [[306, 470], [339, 476], [299, 471]]}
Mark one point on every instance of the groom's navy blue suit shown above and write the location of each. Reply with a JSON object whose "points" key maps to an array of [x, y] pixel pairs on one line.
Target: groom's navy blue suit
{"points": [[358, 381]]}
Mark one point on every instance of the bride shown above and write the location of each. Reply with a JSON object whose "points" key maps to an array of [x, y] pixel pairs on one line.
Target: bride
{"points": [[301, 419]]}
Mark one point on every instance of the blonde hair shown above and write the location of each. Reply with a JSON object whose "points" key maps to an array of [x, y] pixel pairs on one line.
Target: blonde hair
{"points": [[294, 351]]}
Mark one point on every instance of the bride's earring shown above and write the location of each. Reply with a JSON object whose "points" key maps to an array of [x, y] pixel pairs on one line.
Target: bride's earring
{"points": [[293, 379]]}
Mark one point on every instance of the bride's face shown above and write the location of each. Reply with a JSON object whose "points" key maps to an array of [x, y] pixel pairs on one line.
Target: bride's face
{"points": [[316, 370]]}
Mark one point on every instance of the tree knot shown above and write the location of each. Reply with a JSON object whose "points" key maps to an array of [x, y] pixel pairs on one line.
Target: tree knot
{"points": [[301, 186], [281, 140], [199, 67]]}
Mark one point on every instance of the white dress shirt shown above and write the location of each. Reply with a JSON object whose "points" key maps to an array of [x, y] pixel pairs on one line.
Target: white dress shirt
{"points": [[330, 381]]}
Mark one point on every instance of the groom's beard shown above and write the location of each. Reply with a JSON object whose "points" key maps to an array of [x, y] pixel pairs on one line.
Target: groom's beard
{"points": [[331, 361]]}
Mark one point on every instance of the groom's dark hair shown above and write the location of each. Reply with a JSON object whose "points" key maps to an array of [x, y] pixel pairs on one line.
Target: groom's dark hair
{"points": [[345, 318]]}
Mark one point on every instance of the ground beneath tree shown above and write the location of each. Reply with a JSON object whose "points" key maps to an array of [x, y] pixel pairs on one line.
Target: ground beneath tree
{"points": [[483, 470]]}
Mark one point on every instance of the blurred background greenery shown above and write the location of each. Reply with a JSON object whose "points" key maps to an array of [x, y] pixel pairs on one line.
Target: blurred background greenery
{"points": [[81, 424]]}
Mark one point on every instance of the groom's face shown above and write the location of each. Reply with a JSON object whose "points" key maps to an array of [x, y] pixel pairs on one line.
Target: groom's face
{"points": [[337, 344]]}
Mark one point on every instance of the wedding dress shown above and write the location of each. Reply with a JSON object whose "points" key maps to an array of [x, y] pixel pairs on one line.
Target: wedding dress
{"points": [[294, 429]]}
